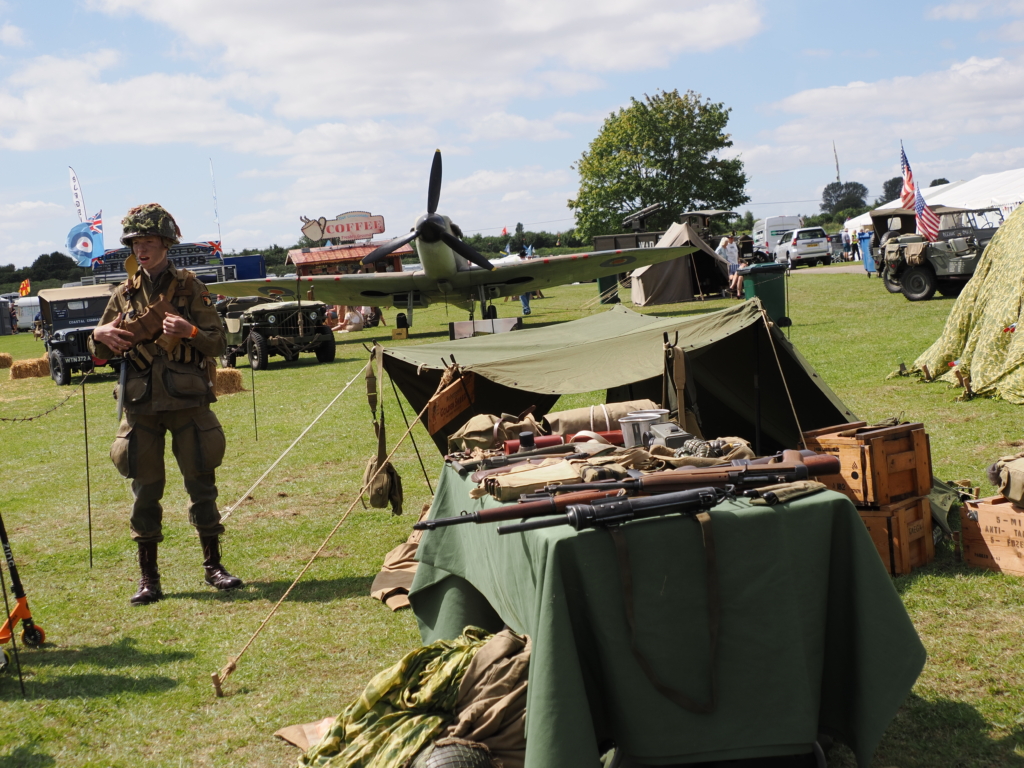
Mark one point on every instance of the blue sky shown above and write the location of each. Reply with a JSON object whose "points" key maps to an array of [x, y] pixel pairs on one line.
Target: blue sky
{"points": [[317, 107]]}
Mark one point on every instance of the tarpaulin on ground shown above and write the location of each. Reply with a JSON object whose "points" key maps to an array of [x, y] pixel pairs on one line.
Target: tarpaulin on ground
{"points": [[732, 358], [983, 334]]}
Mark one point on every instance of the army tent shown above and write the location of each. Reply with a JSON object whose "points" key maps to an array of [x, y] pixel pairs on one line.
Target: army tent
{"points": [[679, 279], [980, 330], [744, 371]]}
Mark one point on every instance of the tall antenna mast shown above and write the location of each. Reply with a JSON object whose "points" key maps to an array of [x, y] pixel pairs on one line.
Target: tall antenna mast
{"points": [[216, 216], [836, 154]]}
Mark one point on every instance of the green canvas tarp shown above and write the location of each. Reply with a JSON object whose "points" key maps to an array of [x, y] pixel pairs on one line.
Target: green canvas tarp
{"points": [[984, 329], [730, 357]]}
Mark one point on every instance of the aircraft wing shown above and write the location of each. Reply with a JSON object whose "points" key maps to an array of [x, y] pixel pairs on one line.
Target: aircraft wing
{"points": [[332, 289], [548, 271], [509, 279]]}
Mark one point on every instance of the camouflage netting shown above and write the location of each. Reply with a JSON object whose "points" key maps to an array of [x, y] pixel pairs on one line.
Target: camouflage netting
{"points": [[978, 331]]}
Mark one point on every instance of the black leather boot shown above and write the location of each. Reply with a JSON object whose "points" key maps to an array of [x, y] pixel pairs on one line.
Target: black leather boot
{"points": [[149, 584], [216, 575]]}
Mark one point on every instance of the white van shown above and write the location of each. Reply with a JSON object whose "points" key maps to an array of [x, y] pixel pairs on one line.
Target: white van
{"points": [[27, 308], [769, 230]]}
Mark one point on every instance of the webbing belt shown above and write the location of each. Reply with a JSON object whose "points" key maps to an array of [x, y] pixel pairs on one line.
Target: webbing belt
{"points": [[714, 616]]}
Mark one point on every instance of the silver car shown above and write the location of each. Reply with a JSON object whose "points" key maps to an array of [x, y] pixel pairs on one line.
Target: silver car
{"points": [[803, 246]]}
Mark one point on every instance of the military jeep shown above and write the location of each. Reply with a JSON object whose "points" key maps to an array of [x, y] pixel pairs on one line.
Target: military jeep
{"points": [[259, 328], [69, 316], [916, 268]]}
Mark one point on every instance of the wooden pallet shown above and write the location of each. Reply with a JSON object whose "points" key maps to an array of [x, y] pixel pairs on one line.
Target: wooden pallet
{"points": [[992, 535], [902, 533], [880, 466]]}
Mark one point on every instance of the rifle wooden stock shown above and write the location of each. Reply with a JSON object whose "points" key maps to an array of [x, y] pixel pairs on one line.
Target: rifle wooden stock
{"points": [[748, 476]]}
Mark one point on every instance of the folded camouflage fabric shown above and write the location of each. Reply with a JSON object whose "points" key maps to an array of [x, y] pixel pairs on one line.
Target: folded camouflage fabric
{"points": [[783, 492], [401, 710]]}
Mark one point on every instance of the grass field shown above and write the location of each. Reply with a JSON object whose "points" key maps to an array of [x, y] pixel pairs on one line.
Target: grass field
{"points": [[122, 686]]}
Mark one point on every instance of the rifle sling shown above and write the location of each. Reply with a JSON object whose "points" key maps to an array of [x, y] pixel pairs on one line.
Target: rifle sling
{"points": [[714, 615]]}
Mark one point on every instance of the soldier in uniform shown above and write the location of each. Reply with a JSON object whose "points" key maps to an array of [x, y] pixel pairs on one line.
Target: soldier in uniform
{"points": [[162, 321]]}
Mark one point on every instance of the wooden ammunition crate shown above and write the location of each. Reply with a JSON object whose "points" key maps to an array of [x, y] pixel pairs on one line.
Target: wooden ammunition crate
{"points": [[902, 533], [879, 465], [992, 535]]}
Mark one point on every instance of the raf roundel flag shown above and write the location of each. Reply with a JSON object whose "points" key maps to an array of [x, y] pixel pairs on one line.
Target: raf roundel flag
{"points": [[85, 241]]}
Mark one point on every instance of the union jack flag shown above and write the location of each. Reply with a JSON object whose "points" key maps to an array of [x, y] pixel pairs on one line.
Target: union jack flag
{"points": [[96, 224], [927, 221], [215, 244], [907, 194]]}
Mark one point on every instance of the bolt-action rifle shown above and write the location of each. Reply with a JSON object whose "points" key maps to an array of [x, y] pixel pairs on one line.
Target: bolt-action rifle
{"points": [[621, 509], [555, 499]]}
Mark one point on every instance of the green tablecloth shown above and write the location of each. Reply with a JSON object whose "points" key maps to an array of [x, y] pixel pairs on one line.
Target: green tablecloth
{"points": [[813, 634]]}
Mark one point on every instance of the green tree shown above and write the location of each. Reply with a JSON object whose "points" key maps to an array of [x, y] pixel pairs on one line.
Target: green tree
{"points": [[664, 149], [937, 182], [840, 195], [890, 190]]}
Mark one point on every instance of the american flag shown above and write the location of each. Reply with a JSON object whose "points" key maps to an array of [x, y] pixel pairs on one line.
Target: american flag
{"points": [[907, 194], [927, 221]]}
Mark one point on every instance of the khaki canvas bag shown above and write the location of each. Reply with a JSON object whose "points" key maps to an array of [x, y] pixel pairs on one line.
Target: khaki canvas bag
{"points": [[1008, 475], [489, 431], [386, 487]]}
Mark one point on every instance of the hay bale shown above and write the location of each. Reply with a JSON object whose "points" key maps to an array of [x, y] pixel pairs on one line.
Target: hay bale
{"points": [[6, 359], [229, 381], [30, 369]]}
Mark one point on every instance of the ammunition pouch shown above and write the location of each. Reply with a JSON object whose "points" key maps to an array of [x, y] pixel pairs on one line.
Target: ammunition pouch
{"points": [[386, 485]]}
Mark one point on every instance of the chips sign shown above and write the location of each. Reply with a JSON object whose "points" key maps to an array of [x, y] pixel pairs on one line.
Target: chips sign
{"points": [[451, 401], [354, 225]]}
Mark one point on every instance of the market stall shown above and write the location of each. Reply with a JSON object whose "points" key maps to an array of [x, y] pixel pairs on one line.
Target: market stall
{"points": [[812, 636]]}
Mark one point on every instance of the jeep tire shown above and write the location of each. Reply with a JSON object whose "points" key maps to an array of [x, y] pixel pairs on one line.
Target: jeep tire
{"points": [[918, 283], [259, 352], [326, 350], [892, 284], [60, 371]]}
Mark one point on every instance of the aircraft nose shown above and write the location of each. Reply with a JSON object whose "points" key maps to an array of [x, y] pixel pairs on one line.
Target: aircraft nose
{"points": [[430, 227]]}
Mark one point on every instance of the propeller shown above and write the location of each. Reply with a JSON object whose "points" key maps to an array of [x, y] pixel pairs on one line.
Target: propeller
{"points": [[432, 227]]}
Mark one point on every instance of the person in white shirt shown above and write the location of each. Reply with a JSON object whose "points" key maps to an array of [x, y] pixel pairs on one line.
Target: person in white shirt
{"points": [[353, 321], [728, 250]]}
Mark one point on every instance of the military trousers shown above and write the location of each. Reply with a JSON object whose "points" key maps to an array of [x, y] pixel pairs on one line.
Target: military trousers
{"points": [[197, 441]]}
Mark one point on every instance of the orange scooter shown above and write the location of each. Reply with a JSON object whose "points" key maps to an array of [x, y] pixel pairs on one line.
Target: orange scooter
{"points": [[32, 634]]}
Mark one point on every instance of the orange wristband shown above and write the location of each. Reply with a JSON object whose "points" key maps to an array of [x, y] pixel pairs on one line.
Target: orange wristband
{"points": [[195, 332]]}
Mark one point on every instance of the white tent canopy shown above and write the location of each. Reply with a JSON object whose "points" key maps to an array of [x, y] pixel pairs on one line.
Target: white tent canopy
{"points": [[1004, 190]]}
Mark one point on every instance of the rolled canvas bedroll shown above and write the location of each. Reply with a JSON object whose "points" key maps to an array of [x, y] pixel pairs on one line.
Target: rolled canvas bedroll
{"points": [[741, 368]]}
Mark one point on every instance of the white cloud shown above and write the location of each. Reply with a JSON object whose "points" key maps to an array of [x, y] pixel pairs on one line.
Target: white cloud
{"points": [[976, 9], [434, 59], [498, 126], [12, 35]]}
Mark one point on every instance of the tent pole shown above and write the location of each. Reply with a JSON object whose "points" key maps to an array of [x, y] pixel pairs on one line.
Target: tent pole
{"points": [[757, 391]]}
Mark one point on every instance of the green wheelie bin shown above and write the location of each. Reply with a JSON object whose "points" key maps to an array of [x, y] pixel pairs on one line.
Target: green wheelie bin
{"points": [[768, 283]]}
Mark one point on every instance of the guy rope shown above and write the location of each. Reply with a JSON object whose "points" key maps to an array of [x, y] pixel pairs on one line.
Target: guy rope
{"points": [[295, 442], [219, 678]]}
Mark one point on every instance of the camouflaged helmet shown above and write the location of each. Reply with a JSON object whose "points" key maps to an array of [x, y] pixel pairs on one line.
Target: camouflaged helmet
{"points": [[149, 219]]}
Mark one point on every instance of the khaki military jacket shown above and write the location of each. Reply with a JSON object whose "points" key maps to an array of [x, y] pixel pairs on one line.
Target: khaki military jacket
{"points": [[161, 381]]}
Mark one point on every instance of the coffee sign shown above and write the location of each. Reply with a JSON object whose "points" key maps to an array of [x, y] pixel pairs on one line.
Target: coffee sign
{"points": [[354, 225]]}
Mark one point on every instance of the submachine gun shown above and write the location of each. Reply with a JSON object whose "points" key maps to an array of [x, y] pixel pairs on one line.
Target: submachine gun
{"points": [[616, 510], [743, 478]]}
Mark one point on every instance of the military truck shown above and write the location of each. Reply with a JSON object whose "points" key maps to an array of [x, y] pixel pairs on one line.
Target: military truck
{"points": [[916, 268], [260, 328], [69, 316]]}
